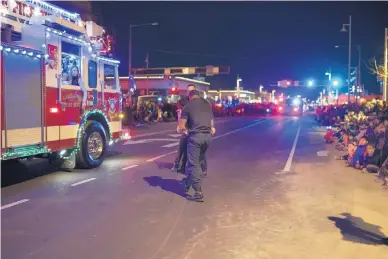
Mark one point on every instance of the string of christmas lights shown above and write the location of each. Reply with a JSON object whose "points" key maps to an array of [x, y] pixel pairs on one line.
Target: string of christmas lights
{"points": [[25, 152], [54, 9], [21, 50]]}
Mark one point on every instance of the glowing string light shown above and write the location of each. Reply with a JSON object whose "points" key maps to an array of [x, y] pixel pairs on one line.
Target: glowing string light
{"points": [[24, 153], [17, 50]]}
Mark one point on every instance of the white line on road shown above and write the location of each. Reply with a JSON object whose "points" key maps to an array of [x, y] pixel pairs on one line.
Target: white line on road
{"points": [[237, 130], [172, 144], [222, 135], [287, 168], [157, 157], [129, 167], [14, 204], [84, 181], [175, 135], [171, 130]]}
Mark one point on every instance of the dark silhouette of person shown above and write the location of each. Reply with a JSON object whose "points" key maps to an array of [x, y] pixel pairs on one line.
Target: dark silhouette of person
{"points": [[356, 230]]}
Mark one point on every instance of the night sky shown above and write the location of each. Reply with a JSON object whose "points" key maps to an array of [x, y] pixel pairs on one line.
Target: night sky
{"points": [[261, 41]]}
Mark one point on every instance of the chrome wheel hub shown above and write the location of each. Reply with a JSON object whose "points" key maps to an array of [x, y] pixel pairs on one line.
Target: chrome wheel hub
{"points": [[95, 145]]}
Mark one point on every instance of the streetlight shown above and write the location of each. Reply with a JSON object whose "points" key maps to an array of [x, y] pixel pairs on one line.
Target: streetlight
{"points": [[359, 62], [310, 83], [385, 64], [328, 86], [130, 46], [349, 25]]}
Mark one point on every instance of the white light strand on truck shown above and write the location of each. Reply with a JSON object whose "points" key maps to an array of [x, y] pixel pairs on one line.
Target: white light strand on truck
{"points": [[80, 40], [21, 50], [56, 10]]}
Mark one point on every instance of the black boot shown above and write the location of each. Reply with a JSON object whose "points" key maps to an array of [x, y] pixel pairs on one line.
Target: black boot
{"points": [[198, 197]]}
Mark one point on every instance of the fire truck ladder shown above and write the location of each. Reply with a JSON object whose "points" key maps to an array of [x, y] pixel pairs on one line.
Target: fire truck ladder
{"points": [[180, 71]]}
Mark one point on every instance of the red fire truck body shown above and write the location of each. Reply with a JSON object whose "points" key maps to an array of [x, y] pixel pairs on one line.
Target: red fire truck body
{"points": [[56, 98]]}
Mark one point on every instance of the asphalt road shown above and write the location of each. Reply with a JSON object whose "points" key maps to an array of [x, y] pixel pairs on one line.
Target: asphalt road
{"points": [[134, 207]]}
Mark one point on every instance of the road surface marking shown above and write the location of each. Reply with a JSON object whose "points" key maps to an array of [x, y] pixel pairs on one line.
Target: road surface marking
{"points": [[175, 135], [170, 130], [172, 144], [14, 204], [219, 136], [237, 130], [129, 167], [84, 181], [157, 157], [152, 133], [143, 141], [287, 168]]}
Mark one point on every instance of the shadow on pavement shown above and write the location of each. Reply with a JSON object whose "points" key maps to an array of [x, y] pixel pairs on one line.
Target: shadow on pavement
{"points": [[14, 172], [168, 185], [356, 230]]}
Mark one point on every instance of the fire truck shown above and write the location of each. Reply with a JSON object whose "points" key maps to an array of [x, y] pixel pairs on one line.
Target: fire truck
{"points": [[56, 99]]}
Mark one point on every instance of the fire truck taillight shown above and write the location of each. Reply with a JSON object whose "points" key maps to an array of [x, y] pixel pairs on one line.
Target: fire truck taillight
{"points": [[54, 110]]}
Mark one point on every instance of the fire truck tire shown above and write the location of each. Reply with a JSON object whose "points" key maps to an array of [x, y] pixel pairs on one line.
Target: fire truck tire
{"points": [[93, 146]]}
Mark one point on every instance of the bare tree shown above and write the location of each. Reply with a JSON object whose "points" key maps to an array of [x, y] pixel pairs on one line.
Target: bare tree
{"points": [[376, 68]]}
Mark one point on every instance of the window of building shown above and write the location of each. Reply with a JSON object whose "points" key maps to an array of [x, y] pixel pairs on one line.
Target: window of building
{"points": [[71, 63], [109, 77], [92, 74]]}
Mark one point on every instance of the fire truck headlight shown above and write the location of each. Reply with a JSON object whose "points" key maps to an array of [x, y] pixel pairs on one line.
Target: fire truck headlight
{"points": [[268, 110]]}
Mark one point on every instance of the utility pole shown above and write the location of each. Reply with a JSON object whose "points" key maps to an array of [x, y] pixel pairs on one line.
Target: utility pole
{"points": [[385, 64], [349, 25], [130, 57], [147, 60], [350, 55]]}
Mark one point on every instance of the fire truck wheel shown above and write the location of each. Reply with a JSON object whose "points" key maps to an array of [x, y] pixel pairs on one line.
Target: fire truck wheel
{"points": [[93, 146]]}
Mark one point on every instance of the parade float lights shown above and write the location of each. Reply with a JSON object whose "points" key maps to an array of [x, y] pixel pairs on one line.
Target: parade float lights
{"points": [[20, 50]]}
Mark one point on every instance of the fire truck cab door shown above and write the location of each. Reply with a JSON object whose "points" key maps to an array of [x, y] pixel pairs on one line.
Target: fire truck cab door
{"points": [[23, 101]]}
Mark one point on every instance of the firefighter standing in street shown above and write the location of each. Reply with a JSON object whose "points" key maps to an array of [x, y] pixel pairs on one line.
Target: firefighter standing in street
{"points": [[181, 158], [197, 122]]}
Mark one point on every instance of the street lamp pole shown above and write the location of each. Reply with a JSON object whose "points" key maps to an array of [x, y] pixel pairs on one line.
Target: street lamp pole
{"points": [[350, 55], [130, 55], [349, 25], [359, 67], [385, 64]]}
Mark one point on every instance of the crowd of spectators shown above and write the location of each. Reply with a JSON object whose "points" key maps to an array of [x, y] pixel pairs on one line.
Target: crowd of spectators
{"points": [[361, 132]]}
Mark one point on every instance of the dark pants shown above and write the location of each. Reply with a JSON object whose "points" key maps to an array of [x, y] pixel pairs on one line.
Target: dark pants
{"points": [[196, 150], [181, 158]]}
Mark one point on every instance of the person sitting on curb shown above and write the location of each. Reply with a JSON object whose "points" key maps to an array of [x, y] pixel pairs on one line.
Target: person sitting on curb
{"points": [[358, 160], [373, 160]]}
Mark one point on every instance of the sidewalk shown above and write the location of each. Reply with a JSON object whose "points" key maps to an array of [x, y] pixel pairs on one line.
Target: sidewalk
{"points": [[333, 211]]}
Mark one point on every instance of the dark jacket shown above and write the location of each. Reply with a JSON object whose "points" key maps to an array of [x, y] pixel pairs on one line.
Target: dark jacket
{"points": [[374, 159]]}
